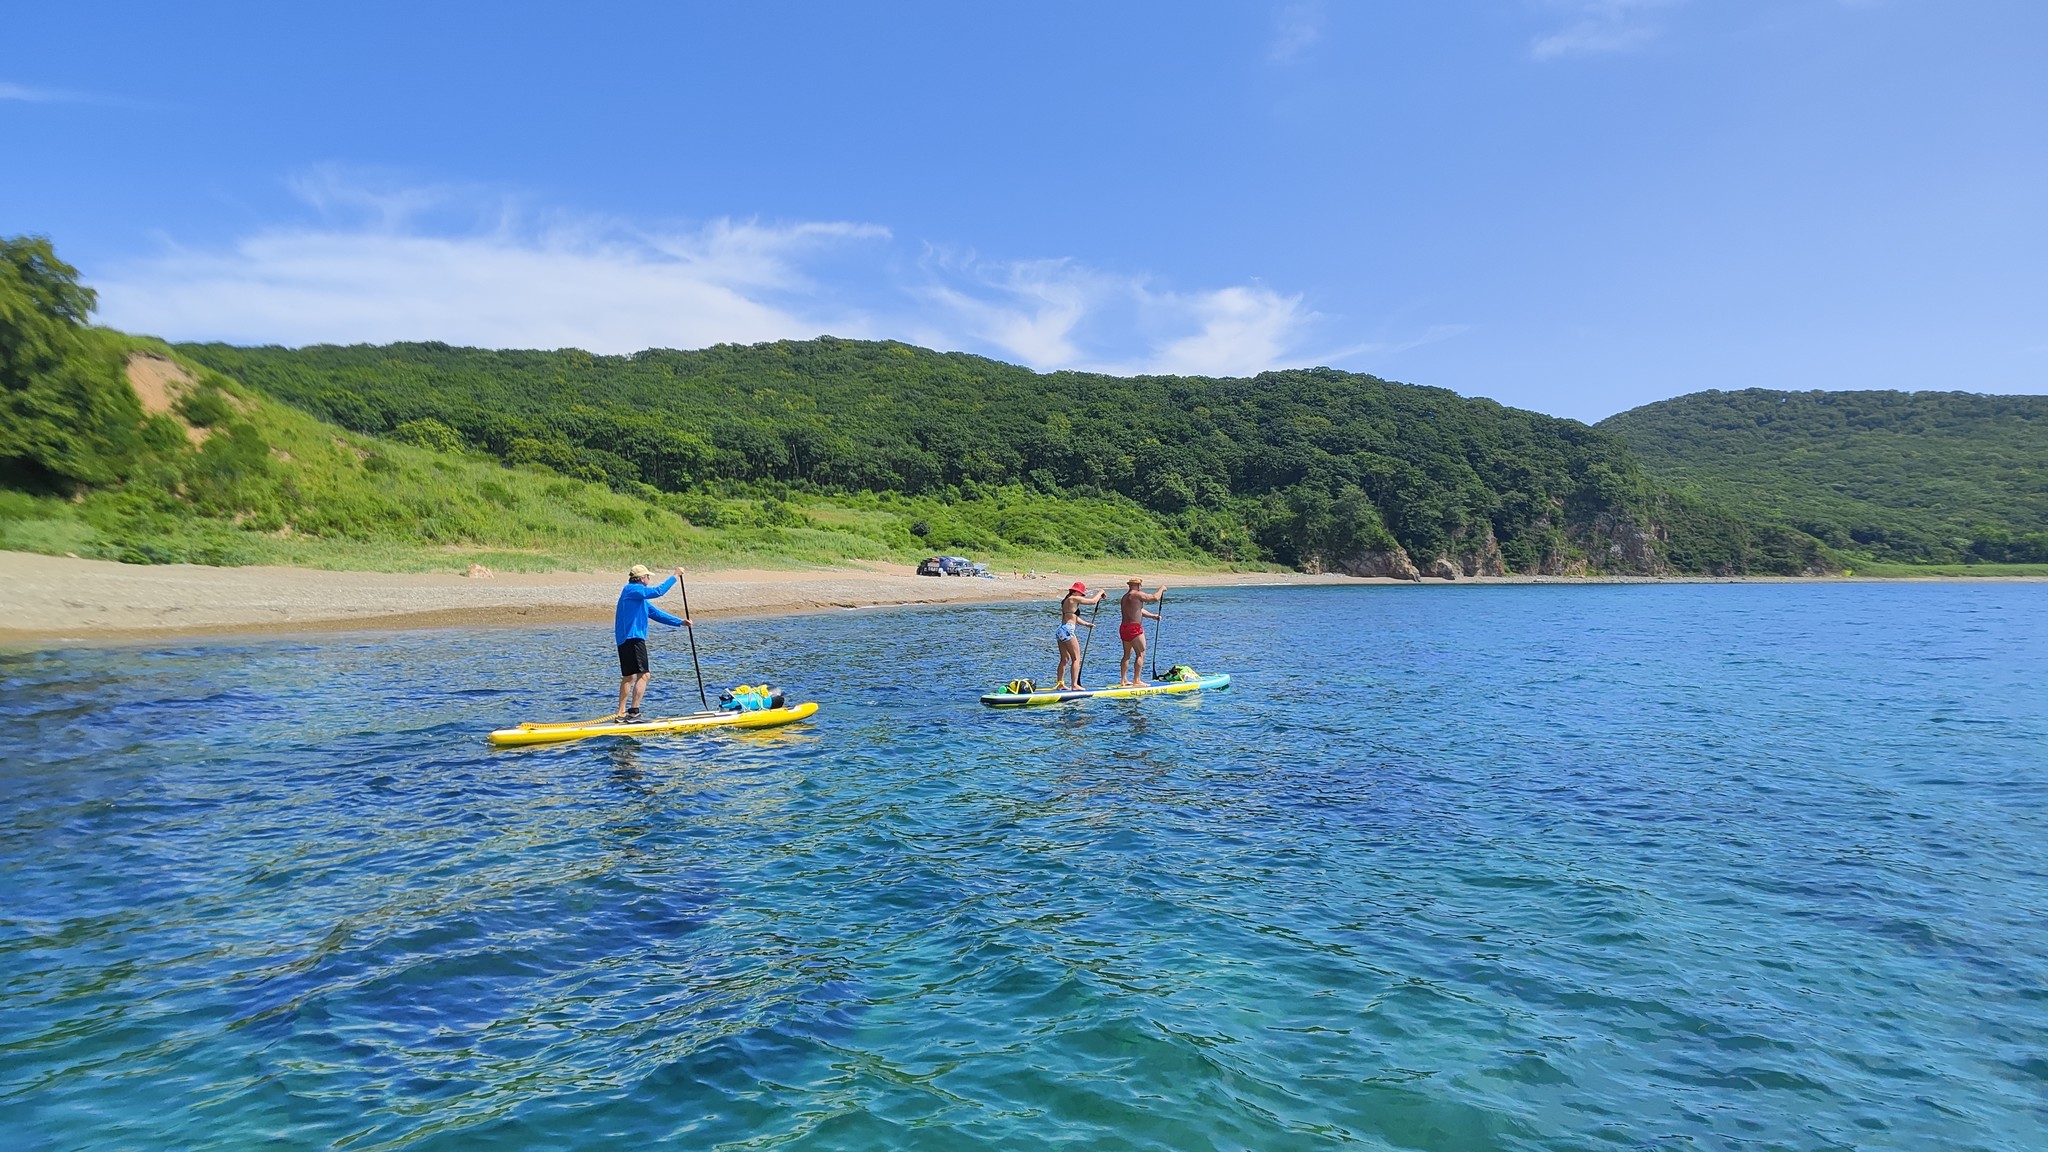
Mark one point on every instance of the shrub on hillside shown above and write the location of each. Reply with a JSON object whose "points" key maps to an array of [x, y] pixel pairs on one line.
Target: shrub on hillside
{"points": [[68, 418]]}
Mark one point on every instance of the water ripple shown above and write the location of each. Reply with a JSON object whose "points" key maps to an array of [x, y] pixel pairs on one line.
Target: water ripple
{"points": [[1518, 868]]}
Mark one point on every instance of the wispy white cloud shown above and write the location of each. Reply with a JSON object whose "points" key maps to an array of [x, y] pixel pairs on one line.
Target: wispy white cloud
{"points": [[1028, 309], [1600, 27], [1242, 330], [1382, 349], [382, 262], [1054, 314], [1299, 26], [377, 268], [374, 200], [32, 95], [303, 287]]}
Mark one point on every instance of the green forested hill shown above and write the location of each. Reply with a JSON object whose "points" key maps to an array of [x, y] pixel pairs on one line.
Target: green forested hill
{"points": [[1914, 476], [1309, 468], [422, 455], [207, 470]]}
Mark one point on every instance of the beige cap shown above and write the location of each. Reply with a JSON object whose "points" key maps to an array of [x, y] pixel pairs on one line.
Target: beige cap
{"points": [[1135, 581], [638, 570]]}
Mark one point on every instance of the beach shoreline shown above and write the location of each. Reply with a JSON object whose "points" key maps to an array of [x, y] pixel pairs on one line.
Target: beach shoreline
{"points": [[56, 601]]}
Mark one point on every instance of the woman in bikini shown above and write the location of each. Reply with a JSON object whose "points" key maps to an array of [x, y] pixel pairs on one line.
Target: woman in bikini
{"points": [[1068, 638]]}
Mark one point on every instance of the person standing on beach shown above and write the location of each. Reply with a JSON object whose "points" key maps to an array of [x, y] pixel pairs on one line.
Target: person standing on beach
{"points": [[1132, 633], [629, 630], [1068, 638]]}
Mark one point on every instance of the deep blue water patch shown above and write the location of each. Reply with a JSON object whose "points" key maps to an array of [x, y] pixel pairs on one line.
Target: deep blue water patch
{"points": [[1713, 866]]}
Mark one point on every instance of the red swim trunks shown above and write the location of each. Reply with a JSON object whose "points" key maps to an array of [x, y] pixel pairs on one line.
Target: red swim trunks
{"points": [[1130, 631]]}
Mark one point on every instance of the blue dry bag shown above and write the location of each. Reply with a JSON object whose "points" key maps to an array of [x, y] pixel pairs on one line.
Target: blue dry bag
{"points": [[750, 699]]}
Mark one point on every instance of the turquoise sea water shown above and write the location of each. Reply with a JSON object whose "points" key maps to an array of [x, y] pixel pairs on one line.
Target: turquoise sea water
{"points": [[1702, 866]]}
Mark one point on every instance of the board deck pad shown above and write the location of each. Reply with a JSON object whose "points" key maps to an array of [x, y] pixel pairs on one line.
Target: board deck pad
{"points": [[1047, 696]]}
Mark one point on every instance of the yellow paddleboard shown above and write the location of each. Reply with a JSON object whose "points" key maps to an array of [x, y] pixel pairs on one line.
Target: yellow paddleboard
{"points": [[1044, 697], [581, 729]]}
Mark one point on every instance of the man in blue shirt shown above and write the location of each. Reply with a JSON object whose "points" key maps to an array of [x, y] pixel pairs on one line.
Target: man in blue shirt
{"points": [[629, 629]]}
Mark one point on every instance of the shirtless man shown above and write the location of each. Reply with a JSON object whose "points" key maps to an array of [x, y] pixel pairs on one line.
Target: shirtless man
{"points": [[1068, 638], [1132, 633]]}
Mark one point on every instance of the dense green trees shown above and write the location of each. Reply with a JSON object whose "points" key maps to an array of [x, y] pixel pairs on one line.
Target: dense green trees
{"points": [[1301, 467], [834, 448], [67, 417], [1916, 476]]}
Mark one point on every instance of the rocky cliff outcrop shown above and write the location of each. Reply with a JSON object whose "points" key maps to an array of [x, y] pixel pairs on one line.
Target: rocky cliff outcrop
{"points": [[1606, 545], [1394, 565], [1627, 547], [1481, 557]]}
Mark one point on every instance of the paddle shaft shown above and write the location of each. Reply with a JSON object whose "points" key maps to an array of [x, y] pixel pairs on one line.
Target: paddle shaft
{"points": [[1158, 626], [1086, 643], [691, 628]]}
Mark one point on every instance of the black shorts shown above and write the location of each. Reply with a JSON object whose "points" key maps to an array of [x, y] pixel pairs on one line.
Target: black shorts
{"points": [[632, 657]]}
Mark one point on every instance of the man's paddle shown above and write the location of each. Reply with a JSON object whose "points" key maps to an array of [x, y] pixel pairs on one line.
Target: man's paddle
{"points": [[691, 628], [1158, 626]]}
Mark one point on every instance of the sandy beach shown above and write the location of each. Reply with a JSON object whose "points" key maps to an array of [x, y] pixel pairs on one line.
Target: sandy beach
{"points": [[54, 599]]}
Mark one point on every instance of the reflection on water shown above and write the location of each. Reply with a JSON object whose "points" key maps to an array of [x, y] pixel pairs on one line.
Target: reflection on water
{"points": [[1459, 868]]}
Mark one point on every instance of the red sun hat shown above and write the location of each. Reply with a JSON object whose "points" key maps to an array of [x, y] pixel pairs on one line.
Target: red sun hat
{"points": [[1078, 587]]}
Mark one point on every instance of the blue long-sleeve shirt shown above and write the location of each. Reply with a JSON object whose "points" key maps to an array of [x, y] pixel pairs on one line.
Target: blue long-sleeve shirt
{"points": [[630, 622]]}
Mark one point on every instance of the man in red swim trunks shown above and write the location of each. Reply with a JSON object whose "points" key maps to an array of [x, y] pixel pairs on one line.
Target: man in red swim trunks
{"points": [[1131, 669]]}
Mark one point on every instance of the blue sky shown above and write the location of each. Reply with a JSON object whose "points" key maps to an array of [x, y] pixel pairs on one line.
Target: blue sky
{"points": [[1575, 206]]}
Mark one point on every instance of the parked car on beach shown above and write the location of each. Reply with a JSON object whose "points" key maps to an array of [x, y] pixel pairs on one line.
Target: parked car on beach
{"points": [[930, 567], [956, 566]]}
